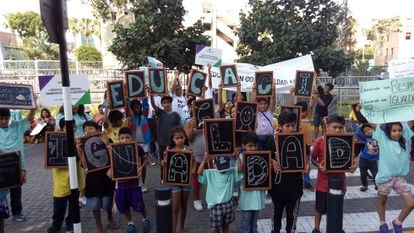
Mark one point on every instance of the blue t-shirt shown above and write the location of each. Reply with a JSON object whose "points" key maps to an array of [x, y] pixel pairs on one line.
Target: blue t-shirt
{"points": [[371, 149], [393, 160]]}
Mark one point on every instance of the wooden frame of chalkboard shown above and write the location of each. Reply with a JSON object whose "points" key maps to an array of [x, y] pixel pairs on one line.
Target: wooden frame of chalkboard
{"points": [[289, 146], [222, 75], [191, 86], [55, 143], [351, 126], [303, 86], [346, 144], [261, 79], [220, 136], [95, 153], [257, 171], [203, 109], [115, 102], [295, 109], [10, 164], [246, 118], [17, 96], [181, 174], [137, 89], [130, 164], [155, 73]]}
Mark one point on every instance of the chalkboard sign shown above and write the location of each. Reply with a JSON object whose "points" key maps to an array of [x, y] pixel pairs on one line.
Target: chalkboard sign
{"points": [[256, 170], [295, 109], [351, 126], [158, 81], [292, 152], [246, 116], [135, 80], [178, 168], [263, 83], [56, 150], [17, 96], [229, 77], [124, 161], [116, 94], [339, 152], [304, 83], [196, 83], [220, 136], [10, 170], [203, 109], [95, 152]]}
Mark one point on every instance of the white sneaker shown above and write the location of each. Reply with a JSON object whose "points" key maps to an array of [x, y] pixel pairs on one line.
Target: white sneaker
{"points": [[82, 201], [198, 206], [144, 188]]}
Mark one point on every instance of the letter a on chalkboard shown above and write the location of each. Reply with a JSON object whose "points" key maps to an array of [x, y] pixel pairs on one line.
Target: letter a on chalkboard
{"points": [[229, 75]]}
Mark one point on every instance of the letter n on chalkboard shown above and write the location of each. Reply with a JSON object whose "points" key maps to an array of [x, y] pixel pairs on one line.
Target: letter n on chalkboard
{"points": [[220, 136], [256, 170], [196, 83], [292, 152], [116, 94], [10, 170], [203, 109], [157, 81], [178, 168], [339, 152], [229, 76], [56, 150], [95, 152], [263, 83], [246, 116], [124, 160], [135, 81], [304, 83]]}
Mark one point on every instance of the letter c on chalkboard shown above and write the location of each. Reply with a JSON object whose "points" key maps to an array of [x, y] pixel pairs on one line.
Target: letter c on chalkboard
{"points": [[197, 76]]}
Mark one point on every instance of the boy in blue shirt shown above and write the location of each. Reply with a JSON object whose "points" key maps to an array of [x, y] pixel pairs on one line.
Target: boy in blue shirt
{"points": [[368, 159]]}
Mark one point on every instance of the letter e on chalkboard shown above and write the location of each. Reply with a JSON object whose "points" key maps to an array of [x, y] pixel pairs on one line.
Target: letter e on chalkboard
{"points": [[339, 152], [116, 94], [256, 170], [292, 152], [178, 168], [196, 83], [135, 80], [10, 170], [264, 83], [229, 75], [157, 81], [304, 83]]}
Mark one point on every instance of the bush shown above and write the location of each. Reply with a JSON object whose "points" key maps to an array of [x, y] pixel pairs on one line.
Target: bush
{"points": [[88, 53]]}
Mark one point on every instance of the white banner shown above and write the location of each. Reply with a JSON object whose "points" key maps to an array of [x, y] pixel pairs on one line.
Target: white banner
{"points": [[401, 68], [208, 55]]}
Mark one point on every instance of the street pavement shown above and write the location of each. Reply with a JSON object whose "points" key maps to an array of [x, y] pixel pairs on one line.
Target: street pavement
{"points": [[359, 208]]}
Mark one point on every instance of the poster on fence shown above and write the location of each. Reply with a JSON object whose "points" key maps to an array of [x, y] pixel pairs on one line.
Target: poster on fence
{"points": [[387, 100], [51, 90], [401, 68]]}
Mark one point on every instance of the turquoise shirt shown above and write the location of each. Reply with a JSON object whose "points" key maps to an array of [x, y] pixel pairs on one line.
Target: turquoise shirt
{"points": [[11, 138], [79, 121], [219, 185], [393, 160]]}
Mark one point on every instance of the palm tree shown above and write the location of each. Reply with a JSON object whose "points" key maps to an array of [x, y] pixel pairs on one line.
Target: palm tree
{"points": [[74, 28], [89, 27]]}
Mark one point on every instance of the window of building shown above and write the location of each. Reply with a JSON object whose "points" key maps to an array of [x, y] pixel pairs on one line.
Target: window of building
{"points": [[408, 36], [388, 38], [392, 52]]}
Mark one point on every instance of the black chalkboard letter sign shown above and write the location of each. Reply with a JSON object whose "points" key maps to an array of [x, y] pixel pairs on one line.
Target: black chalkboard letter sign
{"points": [[124, 161], [10, 170], [116, 94], [339, 152], [256, 170], [203, 109], [292, 152], [158, 81], [304, 83], [135, 80], [263, 83], [95, 152], [295, 109], [246, 116], [17, 96], [196, 83], [178, 170], [56, 150], [229, 75], [220, 136]]}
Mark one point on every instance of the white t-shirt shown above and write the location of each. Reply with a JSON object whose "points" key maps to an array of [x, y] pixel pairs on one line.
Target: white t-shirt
{"points": [[179, 104]]}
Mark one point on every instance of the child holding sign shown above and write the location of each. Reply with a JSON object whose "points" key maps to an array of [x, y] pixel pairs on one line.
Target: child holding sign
{"points": [[335, 125]]}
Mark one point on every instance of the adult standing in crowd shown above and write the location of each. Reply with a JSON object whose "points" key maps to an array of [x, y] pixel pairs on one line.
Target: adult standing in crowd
{"points": [[323, 99]]}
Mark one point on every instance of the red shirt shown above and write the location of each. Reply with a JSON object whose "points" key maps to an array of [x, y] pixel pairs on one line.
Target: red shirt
{"points": [[322, 178]]}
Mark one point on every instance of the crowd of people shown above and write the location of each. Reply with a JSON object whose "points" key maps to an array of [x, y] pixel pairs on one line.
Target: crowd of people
{"points": [[157, 124]]}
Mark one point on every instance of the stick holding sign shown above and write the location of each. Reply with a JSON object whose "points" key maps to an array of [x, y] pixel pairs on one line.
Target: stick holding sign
{"points": [[196, 83], [158, 81], [116, 94], [17, 96], [135, 80]]}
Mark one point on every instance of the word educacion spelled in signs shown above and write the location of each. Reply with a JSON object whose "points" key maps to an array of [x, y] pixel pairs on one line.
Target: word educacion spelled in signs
{"points": [[388, 100], [291, 148], [256, 170], [339, 152], [95, 153], [178, 168], [10, 170], [17, 96], [124, 160]]}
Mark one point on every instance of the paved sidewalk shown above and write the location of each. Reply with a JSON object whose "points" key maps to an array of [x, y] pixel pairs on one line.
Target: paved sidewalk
{"points": [[37, 205]]}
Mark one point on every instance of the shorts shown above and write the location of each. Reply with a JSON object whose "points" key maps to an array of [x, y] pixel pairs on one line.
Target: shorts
{"points": [[317, 119], [221, 214], [4, 208], [321, 201], [176, 188], [97, 203], [396, 183], [131, 197]]}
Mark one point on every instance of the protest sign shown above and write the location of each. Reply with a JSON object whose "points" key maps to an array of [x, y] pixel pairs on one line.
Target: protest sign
{"points": [[219, 136], [135, 80], [401, 68], [339, 152], [51, 90], [207, 55], [17, 96], [56, 150], [246, 116], [116, 94], [158, 81], [95, 152], [196, 83], [228, 74], [263, 83], [178, 167], [292, 152], [10, 170], [257, 170], [304, 83], [124, 161], [387, 100], [203, 109]]}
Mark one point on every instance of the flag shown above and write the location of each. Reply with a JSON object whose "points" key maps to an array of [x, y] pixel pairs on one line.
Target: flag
{"points": [[154, 63]]}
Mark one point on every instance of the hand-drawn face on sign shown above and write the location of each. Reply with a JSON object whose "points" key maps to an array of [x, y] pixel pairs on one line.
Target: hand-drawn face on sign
{"points": [[339, 152], [135, 80], [196, 83], [291, 148], [264, 83], [203, 109], [178, 167], [96, 153], [304, 83], [246, 116]]}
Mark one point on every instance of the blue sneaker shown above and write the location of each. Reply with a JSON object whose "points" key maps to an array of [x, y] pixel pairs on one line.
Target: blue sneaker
{"points": [[397, 227], [147, 225], [384, 228], [19, 217], [131, 228]]}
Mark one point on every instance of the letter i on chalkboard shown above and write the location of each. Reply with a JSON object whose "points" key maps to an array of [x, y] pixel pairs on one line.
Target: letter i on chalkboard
{"points": [[304, 83]]}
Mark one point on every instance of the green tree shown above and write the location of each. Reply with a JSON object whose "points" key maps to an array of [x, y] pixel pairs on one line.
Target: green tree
{"points": [[26, 24], [88, 53], [273, 31], [89, 27], [158, 32], [366, 53], [104, 9]]}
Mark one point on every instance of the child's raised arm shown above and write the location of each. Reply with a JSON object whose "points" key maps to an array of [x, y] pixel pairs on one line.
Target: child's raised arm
{"points": [[203, 164], [154, 106], [273, 99]]}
